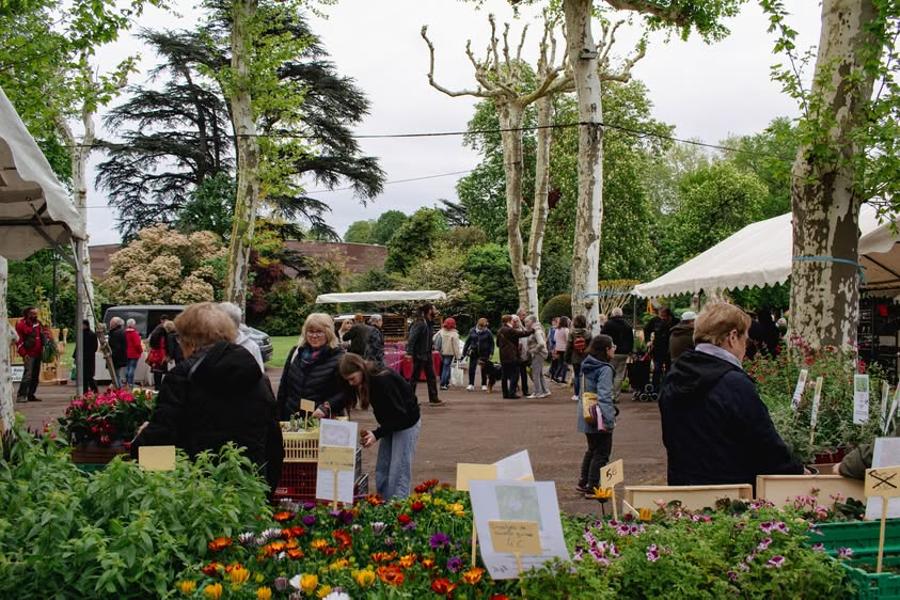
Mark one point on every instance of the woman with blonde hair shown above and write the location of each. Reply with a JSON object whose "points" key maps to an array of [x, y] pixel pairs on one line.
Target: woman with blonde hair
{"points": [[311, 371], [715, 427], [215, 396]]}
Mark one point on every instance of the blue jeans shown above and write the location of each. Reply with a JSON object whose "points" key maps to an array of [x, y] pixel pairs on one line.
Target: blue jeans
{"points": [[393, 468], [129, 371], [446, 365]]}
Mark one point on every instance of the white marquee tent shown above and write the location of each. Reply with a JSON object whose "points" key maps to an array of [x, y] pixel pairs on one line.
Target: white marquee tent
{"points": [[760, 254]]}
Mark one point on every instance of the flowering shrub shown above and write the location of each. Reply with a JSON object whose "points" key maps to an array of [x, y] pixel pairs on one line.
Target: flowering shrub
{"points": [[103, 418]]}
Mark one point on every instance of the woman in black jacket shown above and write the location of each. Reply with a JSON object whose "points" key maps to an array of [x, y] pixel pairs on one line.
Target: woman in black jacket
{"points": [[397, 412], [311, 371], [215, 396], [479, 347], [508, 342], [715, 427]]}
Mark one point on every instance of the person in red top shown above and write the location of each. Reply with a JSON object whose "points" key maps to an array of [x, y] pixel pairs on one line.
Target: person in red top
{"points": [[134, 349], [30, 347]]}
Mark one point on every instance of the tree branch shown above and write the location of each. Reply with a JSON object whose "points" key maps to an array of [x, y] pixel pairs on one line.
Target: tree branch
{"points": [[669, 14], [436, 85], [624, 73]]}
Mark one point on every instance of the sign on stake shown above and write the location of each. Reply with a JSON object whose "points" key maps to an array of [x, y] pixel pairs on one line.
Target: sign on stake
{"points": [[883, 482]]}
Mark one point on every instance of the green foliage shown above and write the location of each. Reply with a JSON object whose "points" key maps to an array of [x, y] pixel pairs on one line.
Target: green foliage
{"points": [[558, 306], [376, 279], [211, 207], [288, 302], [31, 282], [414, 240], [122, 532], [493, 291], [388, 223], [775, 296], [359, 232]]}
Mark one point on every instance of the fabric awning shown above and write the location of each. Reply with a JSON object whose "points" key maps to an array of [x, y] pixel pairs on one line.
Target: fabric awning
{"points": [[381, 296], [36, 211], [760, 254]]}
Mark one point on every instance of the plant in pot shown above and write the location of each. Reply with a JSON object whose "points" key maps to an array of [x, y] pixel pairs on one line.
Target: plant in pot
{"points": [[100, 426]]}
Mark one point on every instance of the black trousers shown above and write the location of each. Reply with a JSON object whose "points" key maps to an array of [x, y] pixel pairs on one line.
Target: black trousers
{"points": [[418, 365], [523, 374], [661, 365], [510, 379], [30, 378], [88, 367], [484, 364], [595, 458]]}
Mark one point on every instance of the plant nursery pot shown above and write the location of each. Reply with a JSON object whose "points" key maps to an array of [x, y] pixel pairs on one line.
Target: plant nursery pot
{"points": [[829, 458], [93, 453]]}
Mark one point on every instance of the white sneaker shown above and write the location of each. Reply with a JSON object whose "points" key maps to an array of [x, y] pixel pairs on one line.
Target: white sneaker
{"points": [[470, 388], [575, 398], [484, 388], [532, 396], [544, 395]]}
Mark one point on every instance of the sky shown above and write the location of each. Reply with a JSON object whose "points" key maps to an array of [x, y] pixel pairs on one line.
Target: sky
{"points": [[707, 91]]}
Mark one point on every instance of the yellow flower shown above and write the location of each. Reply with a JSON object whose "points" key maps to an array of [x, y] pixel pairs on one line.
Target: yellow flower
{"points": [[318, 544], [457, 509], [645, 514], [407, 560], [213, 591], [339, 564], [602, 493], [187, 587], [263, 593], [309, 583], [323, 591], [239, 576], [364, 578], [440, 502]]}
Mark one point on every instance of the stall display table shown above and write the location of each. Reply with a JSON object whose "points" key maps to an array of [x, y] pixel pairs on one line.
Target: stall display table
{"points": [[396, 359]]}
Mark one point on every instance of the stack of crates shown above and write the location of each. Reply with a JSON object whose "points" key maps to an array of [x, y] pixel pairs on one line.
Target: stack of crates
{"points": [[862, 538], [298, 473]]}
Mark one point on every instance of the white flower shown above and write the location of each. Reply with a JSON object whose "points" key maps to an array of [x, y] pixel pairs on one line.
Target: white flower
{"points": [[338, 595], [295, 582]]}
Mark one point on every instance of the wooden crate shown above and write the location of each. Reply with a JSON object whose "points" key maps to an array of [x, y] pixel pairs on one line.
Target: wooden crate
{"points": [[692, 497], [782, 489]]}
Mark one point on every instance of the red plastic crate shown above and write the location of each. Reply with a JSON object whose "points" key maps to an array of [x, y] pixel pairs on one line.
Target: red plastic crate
{"points": [[298, 480]]}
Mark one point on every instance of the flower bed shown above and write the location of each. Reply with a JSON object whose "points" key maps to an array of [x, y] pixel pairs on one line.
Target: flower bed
{"points": [[100, 420]]}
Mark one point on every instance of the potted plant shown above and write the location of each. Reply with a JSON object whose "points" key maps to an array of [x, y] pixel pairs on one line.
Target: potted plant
{"points": [[100, 426]]}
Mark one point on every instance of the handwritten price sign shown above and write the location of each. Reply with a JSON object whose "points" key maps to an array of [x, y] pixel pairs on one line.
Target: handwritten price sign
{"points": [[337, 458], [612, 474], [883, 482], [516, 537]]}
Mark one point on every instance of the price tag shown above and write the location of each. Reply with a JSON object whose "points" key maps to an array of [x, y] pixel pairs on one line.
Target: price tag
{"points": [[157, 458], [798, 390], [337, 458], [516, 537], [860, 399], [885, 394], [612, 474], [817, 397], [466, 472], [883, 482], [307, 406]]}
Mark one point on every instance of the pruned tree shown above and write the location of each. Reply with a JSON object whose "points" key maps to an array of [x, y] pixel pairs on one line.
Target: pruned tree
{"points": [[506, 79]]}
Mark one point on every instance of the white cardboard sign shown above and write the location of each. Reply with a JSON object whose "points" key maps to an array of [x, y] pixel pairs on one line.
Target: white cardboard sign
{"points": [[529, 501], [860, 399], [516, 466], [885, 394], [341, 434], [889, 423], [817, 397], [798, 390]]}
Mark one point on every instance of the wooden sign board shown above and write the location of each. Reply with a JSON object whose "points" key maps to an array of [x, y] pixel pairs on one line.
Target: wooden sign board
{"points": [[612, 474], [307, 406], [883, 482], [692, 497], [783, 489], [157, 458], [337, 458], [466, 472], [516, 537]]}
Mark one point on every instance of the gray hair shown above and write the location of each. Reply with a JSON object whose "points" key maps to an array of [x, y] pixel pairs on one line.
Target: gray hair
{"points": [[232, 310], [530, 319], [375, 318], [116, 321], [130, 323], [616, 312]]}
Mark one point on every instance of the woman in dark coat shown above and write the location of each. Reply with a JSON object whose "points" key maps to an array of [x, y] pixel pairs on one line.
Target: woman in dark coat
{"points": [[715, 427], [215, 396], [508, 342], [397, 413], [479, 347], [311, 371]]}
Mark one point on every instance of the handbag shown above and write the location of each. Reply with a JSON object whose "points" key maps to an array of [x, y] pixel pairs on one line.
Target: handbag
{"points": [[457, 375]]}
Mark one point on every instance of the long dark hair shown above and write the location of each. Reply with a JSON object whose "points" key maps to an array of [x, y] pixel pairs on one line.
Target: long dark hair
{"points": [[598, 347], [354, 363]]}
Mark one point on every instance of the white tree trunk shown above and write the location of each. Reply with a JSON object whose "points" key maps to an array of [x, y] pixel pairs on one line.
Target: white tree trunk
{"points": [[247, 195], [824, 195], [583, 57], [511, 116], [6, 391], [540, 208]]}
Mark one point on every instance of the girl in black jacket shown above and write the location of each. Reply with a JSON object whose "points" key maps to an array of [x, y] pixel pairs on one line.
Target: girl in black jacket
{"points": [[397, 412]]}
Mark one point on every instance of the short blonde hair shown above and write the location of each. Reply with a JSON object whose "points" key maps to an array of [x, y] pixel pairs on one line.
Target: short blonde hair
{"points": [[320, 321], [716, 321], [204, 324]]}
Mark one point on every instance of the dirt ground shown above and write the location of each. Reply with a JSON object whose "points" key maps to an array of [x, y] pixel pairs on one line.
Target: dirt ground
{"points": [[478, 427]]}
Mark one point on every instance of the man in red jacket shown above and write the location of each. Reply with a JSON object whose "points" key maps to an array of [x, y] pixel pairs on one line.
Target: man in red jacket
{"points": [[30, 347]]}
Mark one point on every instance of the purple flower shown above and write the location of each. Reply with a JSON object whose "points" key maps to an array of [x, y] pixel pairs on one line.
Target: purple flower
{"points": [[578, 555], [454, 564], [820, 547], [439, 540], [845, 552], [378, 527], [389, 542], [411, 526], [776, 561], [309, 505], [750, 557], [246, 539], [764, 545], [733, 575], [767, 526], [281, 583], [346, 517], [309, 520], [781, 527], [652, 553]]}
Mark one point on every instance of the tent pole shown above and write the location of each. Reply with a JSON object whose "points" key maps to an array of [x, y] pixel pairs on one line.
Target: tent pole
{"points": [[7, 416], [79, 315]]}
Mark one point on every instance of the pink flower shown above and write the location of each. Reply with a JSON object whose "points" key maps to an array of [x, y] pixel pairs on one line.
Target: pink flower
{"points": [[652, 553], [845, 552], [776, 561], [764, 545]]}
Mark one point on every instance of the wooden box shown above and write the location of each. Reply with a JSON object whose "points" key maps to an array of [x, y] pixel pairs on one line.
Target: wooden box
{"points": [[692, 497]]}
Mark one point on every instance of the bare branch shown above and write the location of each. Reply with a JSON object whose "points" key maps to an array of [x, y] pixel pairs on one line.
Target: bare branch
{"points": [[624, 73], [506, 46], [521, 43], [436, 85], [608, 42]]}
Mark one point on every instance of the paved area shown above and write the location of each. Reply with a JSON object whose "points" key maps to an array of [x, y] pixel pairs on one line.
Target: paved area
{"points": [[481, 427]]}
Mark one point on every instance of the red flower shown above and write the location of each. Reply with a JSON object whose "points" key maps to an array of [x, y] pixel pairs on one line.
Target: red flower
{"points": [[298, 531], [220, 543], [404, 519], [442, 586], [391, 575], [417, 506], [329, 550], [295, 553], [425, 486], [383, 557], [499, 597], [212, 569], [428, 563], [342, 538], [283, 516]]}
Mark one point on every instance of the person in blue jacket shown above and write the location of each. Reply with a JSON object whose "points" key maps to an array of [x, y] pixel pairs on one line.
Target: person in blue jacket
{"points": [[598, 375], [479, 348]]}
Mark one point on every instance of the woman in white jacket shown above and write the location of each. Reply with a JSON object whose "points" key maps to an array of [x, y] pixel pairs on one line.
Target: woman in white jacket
{"points": [[447, 342]]}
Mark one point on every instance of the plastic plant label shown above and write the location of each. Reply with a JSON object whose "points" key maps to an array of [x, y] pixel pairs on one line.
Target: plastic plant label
{"points": [[889, 424], [798, 390], [817, 398], [466, 472], [860, 399], [612, 474], [157, 458], [885, 394], [516, 537], [883, 482], [337, 458]]}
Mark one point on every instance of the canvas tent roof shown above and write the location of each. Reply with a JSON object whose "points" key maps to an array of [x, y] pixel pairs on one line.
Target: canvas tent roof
{"points": [[35, 208], [760, 255], [381, 296]]}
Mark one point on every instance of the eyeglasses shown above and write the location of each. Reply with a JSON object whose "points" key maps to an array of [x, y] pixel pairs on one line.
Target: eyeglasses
{"points": [[312, 333]]}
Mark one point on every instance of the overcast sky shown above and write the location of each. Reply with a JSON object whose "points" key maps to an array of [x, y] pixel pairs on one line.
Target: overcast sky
{"points": [[706, 91]]}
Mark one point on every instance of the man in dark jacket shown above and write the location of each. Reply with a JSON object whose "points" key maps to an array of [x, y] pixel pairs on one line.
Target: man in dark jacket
{"points": [[89, 356], [715, 427], [682, 337], [358, 336], [418, 349], [508, 341], [656, 334], [117, 348], [375, 344], [622, 334]]}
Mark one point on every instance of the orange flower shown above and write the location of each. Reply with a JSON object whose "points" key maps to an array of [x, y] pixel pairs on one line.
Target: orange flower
{"points": [[212, 569], [297, 531], [264, 593], [239, 576], [473, 575], [286, 533], [233, 566], [407, 560], [383, 557], [319, 544], [374, 500], [292, 543], [278, 545], [391, 575], [295, 553], [428, 563], [602, 494], [282, 516], [442, 586], [213, 591], [220, 543], [342, 538], [645, 514]]}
